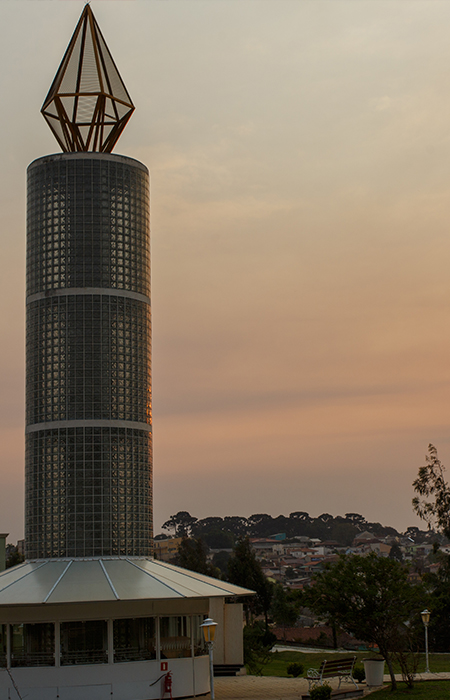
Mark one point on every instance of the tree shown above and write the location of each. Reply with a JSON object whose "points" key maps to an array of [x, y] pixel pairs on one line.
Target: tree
{"points": [[356, 519], [214, 531], [283, 611], [260, 525], [290, 572], [325, 517], [13, 556], [431, 482], [236, 524], [439, 603], [379, 530], [371, 598], [300, 515], [244, 570], [219, 539], [258, 644], [206, 525], [192, 554], [220, 561], [396, 553], [413, 533], [343, 532], [181, 524]]}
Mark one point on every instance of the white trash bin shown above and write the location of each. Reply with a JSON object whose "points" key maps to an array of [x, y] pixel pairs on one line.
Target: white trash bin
{"points": [[374, 669]]}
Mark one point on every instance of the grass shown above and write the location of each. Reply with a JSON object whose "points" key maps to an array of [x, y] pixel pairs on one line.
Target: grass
{"points": [[280, 659], [422, 690]]}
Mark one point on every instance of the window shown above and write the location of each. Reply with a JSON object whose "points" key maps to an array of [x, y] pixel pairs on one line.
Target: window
{"points": [[2, 646], [198, 639], [32, 645], [134, 639], [175, 637], [84, 642]]}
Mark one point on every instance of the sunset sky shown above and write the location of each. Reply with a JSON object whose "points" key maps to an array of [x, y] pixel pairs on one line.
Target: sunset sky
{"points": [[300, 161]]}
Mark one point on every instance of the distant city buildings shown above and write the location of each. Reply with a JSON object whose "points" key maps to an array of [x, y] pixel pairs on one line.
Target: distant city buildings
{"points": [[291, 558], [293, 562]]}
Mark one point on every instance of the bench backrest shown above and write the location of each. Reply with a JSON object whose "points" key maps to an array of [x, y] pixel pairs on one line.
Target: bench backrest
{"points": [[336, 666]]}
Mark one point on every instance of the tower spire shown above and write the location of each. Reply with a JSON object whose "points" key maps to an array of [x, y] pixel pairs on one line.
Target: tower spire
{"points": [[88, 105]]}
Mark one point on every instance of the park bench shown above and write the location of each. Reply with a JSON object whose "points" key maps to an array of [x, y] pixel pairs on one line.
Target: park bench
{"points": [[336, 668]]}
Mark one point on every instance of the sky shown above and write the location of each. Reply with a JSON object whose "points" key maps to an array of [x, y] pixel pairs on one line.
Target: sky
{"points": [[299, 153]]}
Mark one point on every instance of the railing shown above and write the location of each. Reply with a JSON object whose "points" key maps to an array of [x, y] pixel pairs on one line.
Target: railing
{"points": [[175, 648], [87, 656], [133, 654], [35, 658]]}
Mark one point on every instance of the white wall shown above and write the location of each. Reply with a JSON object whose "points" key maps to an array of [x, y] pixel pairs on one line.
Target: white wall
{"points": [[127, 681], [228, 642]]}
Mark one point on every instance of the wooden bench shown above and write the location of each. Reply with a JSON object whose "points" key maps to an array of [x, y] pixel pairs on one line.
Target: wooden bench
{"points": [[335, 668]]}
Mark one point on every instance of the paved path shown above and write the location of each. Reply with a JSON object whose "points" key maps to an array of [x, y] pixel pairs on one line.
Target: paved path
{"points": [[274, 688], [261, 688], [309, 650]]}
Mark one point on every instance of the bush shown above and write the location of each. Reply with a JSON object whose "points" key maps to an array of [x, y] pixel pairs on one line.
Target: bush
{"points": [[295, 669], [320, 692], [359, 673]]}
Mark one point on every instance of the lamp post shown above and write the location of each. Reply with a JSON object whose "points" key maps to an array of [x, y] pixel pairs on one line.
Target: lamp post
{"points": [[209, 631], [426, 619]]}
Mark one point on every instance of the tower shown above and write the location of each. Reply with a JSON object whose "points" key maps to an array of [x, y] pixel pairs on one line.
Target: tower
{"points": [[90, 614], [88, 384]]}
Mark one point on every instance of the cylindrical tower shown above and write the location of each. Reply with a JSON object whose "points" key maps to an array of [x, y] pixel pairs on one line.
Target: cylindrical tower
{"points": [[88, 424]]}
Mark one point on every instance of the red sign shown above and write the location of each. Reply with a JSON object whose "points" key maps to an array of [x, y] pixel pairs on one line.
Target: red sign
{"points": [[164, 665]]}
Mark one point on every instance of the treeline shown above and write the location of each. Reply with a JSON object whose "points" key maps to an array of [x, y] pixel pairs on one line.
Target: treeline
{"points": [[222, 533]]}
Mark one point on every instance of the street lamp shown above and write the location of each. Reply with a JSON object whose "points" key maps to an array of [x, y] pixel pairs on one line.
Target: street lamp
{"points": [[426, 619], [209, 631]]}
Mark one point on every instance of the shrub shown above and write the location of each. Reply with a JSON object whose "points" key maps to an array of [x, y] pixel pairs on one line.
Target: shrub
{"points": [[295, 669], [320, 692], [359, 673]]}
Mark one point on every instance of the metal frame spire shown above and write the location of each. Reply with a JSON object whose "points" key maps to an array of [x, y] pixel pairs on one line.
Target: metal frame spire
{"points": [[88, 105]]}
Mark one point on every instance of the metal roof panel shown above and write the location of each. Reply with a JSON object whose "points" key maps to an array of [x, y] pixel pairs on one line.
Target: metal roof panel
{"points": [[83, 582], [34, 584]]}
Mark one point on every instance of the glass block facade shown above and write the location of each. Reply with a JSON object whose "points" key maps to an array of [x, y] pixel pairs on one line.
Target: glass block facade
{"points": [[88, 387], [88, 223], [88, 357]]}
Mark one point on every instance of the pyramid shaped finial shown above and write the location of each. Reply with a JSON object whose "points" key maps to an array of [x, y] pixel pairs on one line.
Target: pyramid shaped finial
{"points": [[88, 105]]}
